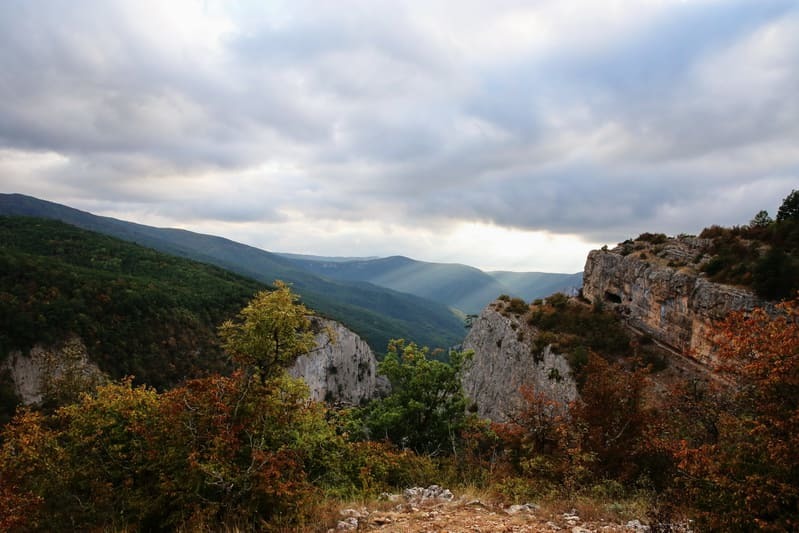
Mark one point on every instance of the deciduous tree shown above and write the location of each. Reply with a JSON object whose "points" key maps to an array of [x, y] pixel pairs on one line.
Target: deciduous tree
{"points": [[747, 478], [426, 408], [272, 331]]}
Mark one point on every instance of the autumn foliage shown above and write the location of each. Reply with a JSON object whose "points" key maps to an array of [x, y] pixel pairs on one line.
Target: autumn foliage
{"points": [[599, 436], [217, 451], [743, 474], [252, 451], [724, 451], [272, 331], [249, 450]]}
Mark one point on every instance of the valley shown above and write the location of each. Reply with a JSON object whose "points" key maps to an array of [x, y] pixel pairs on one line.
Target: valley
{"points": [[642, 377]]}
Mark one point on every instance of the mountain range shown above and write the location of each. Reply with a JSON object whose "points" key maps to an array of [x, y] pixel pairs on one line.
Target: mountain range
{"points": [[460, 286], [378, 298]]}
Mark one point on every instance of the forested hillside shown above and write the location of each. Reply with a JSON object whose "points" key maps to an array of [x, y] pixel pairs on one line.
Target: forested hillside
{"points": [[375, 313], [139, 312]]}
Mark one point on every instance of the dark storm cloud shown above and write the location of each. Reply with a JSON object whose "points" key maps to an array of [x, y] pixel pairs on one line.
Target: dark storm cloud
{"points": [[366, 110]]}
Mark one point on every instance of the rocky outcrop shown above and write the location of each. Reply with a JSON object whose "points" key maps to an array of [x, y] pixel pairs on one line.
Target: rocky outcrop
{"points": [[342, 367], [52, 371], [658, 289], [505, 359]]}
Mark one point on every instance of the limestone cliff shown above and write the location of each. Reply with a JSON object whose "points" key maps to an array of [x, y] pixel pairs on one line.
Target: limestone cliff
{"points": [[342, 367], [658, 289], [504, 359], [52, 371]]}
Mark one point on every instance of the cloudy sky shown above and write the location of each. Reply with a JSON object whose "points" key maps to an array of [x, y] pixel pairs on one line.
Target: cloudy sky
{"points": [[503, 134]]}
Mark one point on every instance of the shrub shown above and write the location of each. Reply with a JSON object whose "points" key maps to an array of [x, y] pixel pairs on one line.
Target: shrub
{"points": [[517, 306], [577, 358], [776, 275], [761, 220], [558, 300], [575, 327], [272, 331], [612, 418], [654, 238]]}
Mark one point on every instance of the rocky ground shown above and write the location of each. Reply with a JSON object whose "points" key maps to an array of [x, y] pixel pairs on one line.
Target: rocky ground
{"points": [[434, 509]]}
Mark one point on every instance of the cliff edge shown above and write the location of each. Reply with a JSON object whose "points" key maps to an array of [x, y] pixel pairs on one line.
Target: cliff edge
{"points": [[656, 285], [342, 367], [505, 359]]}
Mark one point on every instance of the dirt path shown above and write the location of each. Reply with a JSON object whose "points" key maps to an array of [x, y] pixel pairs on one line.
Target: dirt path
{"points": [[460, 516]]}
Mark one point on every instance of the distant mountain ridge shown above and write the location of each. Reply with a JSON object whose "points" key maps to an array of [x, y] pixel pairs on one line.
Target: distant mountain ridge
{"points": [[335, 259], [466, 288], [375, 313], [532, 285]]}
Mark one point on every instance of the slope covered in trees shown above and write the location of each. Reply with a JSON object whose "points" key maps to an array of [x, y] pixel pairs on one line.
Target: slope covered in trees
{"points": [[139, 312], [375, 313], [248, 450]]}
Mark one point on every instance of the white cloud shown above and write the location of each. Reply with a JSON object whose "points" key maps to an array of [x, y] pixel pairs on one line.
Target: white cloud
{"points": [[371, 128]]}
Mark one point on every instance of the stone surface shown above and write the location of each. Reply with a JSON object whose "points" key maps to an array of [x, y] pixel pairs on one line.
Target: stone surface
{"points": [[420, 495], [637, 526], [348, 524], [49, 367], [522, 508], [660, 296], [462, 515], [504, 360], [342, 367]]}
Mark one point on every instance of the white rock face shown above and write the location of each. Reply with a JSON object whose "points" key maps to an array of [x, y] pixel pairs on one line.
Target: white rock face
{"points": [[46, 368], [504, 361], [342, 368]]}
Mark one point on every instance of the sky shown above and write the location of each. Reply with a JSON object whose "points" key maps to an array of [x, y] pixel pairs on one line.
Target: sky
{"points": [[513, 135]]}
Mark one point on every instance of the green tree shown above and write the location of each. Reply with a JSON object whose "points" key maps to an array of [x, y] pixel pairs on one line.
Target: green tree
{"points": [[789, 210], [761, 220], [272, 331], [426, 409], [776, 275]]}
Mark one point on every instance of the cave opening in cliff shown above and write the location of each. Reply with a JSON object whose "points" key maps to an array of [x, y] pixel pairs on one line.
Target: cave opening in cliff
{"points": [[612, 297]]}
